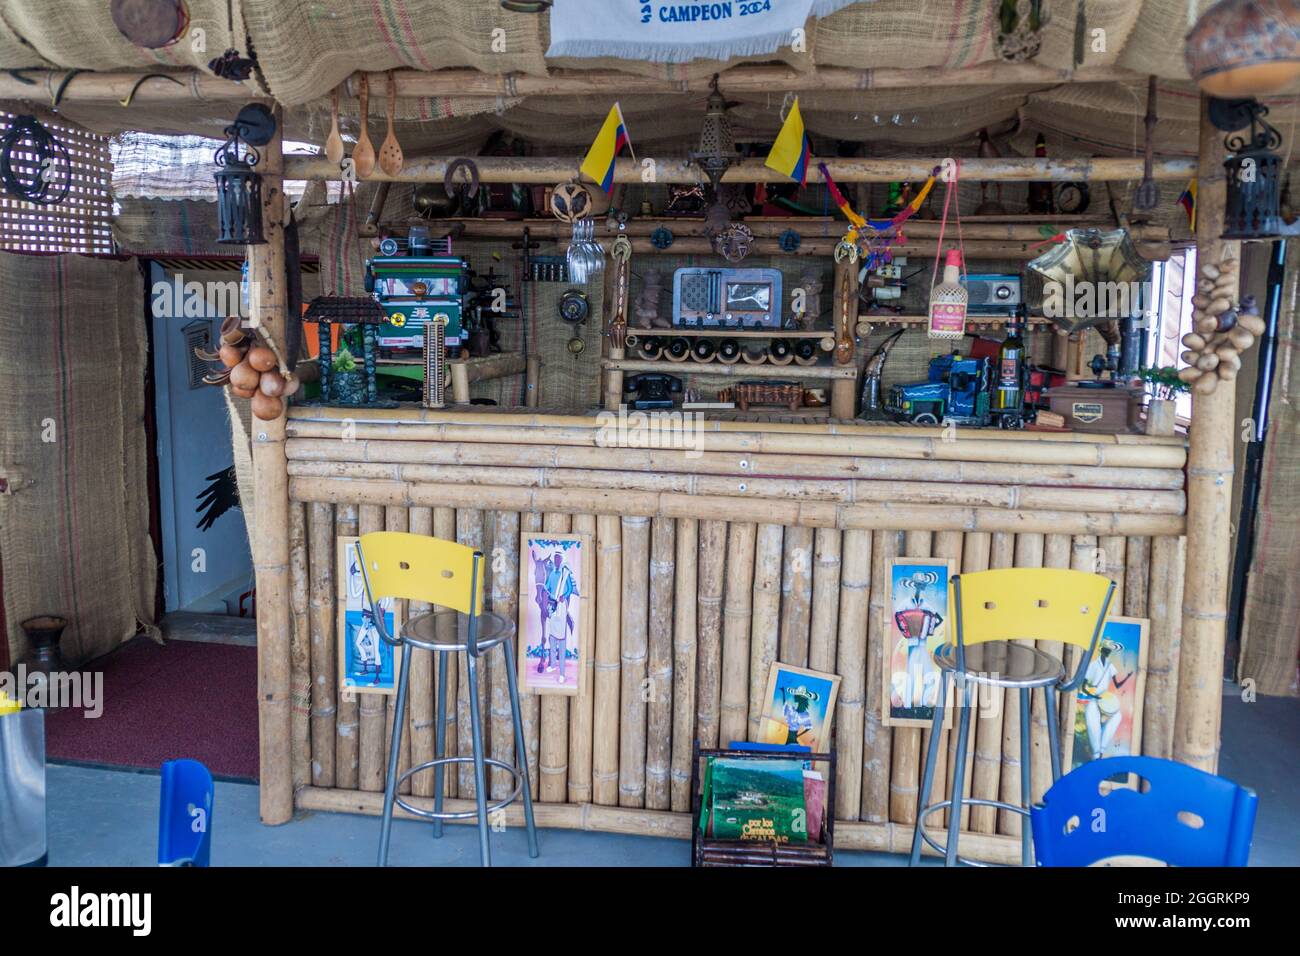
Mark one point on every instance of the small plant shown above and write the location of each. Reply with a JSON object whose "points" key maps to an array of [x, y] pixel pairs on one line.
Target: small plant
{"points": [[1164, 382], [343, 361]]}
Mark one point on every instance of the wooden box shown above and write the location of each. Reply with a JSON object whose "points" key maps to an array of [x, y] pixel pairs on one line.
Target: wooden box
{"points": [[1101, 410]]}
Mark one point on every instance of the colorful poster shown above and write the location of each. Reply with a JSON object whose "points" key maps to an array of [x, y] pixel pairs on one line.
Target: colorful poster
{"points": [[555, 584], [918, 624], [799, 707], [1108, 704], [367, 664]]}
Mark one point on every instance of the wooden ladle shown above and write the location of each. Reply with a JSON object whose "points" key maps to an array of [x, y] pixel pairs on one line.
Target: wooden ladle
{"points": [[334, 142], [363, 156], [390, 152]]}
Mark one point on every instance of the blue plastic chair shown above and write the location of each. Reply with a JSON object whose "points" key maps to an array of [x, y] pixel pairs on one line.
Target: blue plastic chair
{"points": [[185, 814], [1159, 820]]}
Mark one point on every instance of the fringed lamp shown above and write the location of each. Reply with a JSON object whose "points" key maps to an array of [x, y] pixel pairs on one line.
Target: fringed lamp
{"points": [[239, 186]]}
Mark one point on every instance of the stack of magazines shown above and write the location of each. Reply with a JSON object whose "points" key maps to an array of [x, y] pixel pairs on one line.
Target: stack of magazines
{"points": [[771, 800]]}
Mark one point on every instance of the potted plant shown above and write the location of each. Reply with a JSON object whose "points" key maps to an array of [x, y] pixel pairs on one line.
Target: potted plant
{"points": [[1164, 386]]}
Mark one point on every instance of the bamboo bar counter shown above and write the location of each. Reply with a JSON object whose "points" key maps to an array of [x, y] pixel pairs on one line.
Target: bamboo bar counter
{"points": [[737, 544]]}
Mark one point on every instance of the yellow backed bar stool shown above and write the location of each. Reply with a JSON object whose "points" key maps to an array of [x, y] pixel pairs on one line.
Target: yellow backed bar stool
{"points": [[415, 567], [993, 610]]}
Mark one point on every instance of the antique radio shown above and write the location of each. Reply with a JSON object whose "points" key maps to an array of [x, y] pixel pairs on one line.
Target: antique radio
{"points": [[993, 293], [727, 298], [414, 289]]}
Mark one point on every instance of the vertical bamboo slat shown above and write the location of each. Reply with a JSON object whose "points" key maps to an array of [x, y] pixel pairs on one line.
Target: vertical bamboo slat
{"points": [[609, 623], [736, 613], [1137, 576], [765, 620], [877, 739], [324, 693], [420, 702], [347, 754], [581, 707], [505, 601], [713, 561], [444, 527], [635, 638], [469, 532], [825, 601], [855, 595], [904, 778], [976, 548], [796, 596], [992, 716], [950, 545], [372, 708], [659, 712], [1085, 555], [554, 741], [684, 659], [395, 519], [299, 647], [1056, 554], [1029, 554], [1165, 602], [1112, 552]]}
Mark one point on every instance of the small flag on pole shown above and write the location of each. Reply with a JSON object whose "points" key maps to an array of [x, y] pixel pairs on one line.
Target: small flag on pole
{"points": [[1188, 201], [609, 142], [791, 151]]}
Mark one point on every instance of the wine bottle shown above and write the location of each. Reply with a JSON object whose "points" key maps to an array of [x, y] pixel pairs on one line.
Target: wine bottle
{"points": [[1008, 386]]}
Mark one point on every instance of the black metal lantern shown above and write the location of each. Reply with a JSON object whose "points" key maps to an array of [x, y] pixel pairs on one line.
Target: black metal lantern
{"points": [[1253, 171], [239, 186]]}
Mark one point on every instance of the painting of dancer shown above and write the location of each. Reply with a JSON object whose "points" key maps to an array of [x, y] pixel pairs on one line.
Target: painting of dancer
{"points": [[554, 604]]}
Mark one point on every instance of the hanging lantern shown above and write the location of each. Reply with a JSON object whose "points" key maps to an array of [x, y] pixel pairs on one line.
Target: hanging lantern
{"points": [[1245, 47], [239, 186], [1254, 170], [717, 142]]}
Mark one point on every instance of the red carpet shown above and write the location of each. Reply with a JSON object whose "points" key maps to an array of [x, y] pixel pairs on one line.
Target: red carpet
{"points": [[160, 703]]}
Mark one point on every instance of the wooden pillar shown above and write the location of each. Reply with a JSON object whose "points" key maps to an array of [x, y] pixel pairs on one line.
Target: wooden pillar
{"points": [[846, 318], [268, 302], [532, 381], [1209, 502], [614, 305]]}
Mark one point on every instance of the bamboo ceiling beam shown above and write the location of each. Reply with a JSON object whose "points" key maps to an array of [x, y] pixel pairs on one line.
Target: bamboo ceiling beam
{"points": [[548, 170], [115, 86]]}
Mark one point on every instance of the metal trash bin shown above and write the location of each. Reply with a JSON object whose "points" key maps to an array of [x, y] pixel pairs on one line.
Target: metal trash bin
{"points": [[22, 784]]}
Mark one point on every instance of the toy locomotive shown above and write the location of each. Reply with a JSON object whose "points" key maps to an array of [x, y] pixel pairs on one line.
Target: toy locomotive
{"points": [[958, 389]]}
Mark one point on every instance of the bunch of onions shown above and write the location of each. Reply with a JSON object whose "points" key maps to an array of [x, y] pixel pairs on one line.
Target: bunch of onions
{"points": [[251, 370]]}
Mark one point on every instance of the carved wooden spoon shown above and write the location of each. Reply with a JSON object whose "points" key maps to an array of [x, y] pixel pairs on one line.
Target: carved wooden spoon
{"points": [[390, 152], [363, 156], [334, 142]]}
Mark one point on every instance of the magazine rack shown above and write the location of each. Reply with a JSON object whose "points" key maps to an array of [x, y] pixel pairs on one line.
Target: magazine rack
{"points": [[707, 851]]}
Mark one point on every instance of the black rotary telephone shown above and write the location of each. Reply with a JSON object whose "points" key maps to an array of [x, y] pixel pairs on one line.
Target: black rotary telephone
{"points": [[653, 390]]}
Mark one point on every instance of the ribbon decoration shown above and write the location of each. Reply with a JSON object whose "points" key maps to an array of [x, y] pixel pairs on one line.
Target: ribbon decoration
{"points": [[848, 245]]}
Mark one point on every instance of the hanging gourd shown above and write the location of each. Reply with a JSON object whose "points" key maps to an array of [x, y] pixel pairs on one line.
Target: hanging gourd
{"points": [[1241, 48]]}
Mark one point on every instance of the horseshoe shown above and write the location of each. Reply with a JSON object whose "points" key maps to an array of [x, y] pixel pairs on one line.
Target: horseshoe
{"points": [[449, 180], [846, 251]]}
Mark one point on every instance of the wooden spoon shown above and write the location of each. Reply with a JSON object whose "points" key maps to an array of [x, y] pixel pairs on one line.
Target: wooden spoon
{"points": [[390, 152], [363, 156], [334, 142]]}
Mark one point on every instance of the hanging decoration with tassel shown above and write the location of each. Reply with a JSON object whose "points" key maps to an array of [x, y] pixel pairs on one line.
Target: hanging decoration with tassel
{"points": [[869, 232], [948, 298]]}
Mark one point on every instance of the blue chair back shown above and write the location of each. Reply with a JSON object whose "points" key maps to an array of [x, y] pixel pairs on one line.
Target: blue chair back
{"points": [[185, 814], [1185, 817]]}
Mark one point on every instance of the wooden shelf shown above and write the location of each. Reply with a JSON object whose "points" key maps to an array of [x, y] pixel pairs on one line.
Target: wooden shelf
{"points": [[716, 333], [738, 370], [1035, 321]]}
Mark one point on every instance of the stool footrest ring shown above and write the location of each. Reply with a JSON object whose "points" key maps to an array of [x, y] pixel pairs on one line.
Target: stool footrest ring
{"points": [[965, 802], [516, 773]]}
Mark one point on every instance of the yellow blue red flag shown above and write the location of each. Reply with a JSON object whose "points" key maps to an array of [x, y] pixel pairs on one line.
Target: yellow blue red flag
{"points": [[791, 151], [609, 142], [1188, 201]]}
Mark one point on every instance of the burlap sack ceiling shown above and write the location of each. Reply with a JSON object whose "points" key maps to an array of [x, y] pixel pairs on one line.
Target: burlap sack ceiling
{"points": [[305, 49]]}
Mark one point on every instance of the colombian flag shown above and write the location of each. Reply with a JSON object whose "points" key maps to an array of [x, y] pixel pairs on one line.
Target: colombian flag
{"points": [[1188, 201], [791, 151], [611, 139]]}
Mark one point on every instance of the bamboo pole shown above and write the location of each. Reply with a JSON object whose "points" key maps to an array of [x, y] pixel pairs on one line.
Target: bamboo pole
{"points": [[992, 717], [372, 709], [532, 381], [685, 644], [580, 707], [765, 621], [459, 382], [1028, 554], [824, 599], [348, 726], [1209, 499], [605, 719], [876, 737], [855, 594], [420, 705], [737, 613], [505, 601], [396, 519], [1137, 576], [659, 712], [713, 560], [299, 648], [1085, 555], [797, 572], [444, 622], [1168, 559], [1056, 554], [632, 658], [320, 560], [975, 557], [553, 759], [674, 505], [268, 308], [950, 545], [548, 170], [904, 780], [1112, 548], [469, 531]]}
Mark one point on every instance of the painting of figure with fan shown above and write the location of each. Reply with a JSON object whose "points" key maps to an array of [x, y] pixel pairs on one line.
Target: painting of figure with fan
{"points": [[918, 621]]}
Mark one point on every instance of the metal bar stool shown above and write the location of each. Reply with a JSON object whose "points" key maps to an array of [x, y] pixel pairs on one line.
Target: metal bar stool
{"points": [[994, 609], [417, 567]]}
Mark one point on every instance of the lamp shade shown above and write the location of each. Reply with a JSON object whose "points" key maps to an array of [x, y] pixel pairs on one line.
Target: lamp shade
{"points": [[1244, 48]]}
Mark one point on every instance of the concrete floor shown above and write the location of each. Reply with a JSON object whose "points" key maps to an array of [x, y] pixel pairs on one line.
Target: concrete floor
{"points": [[109, 817]]}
